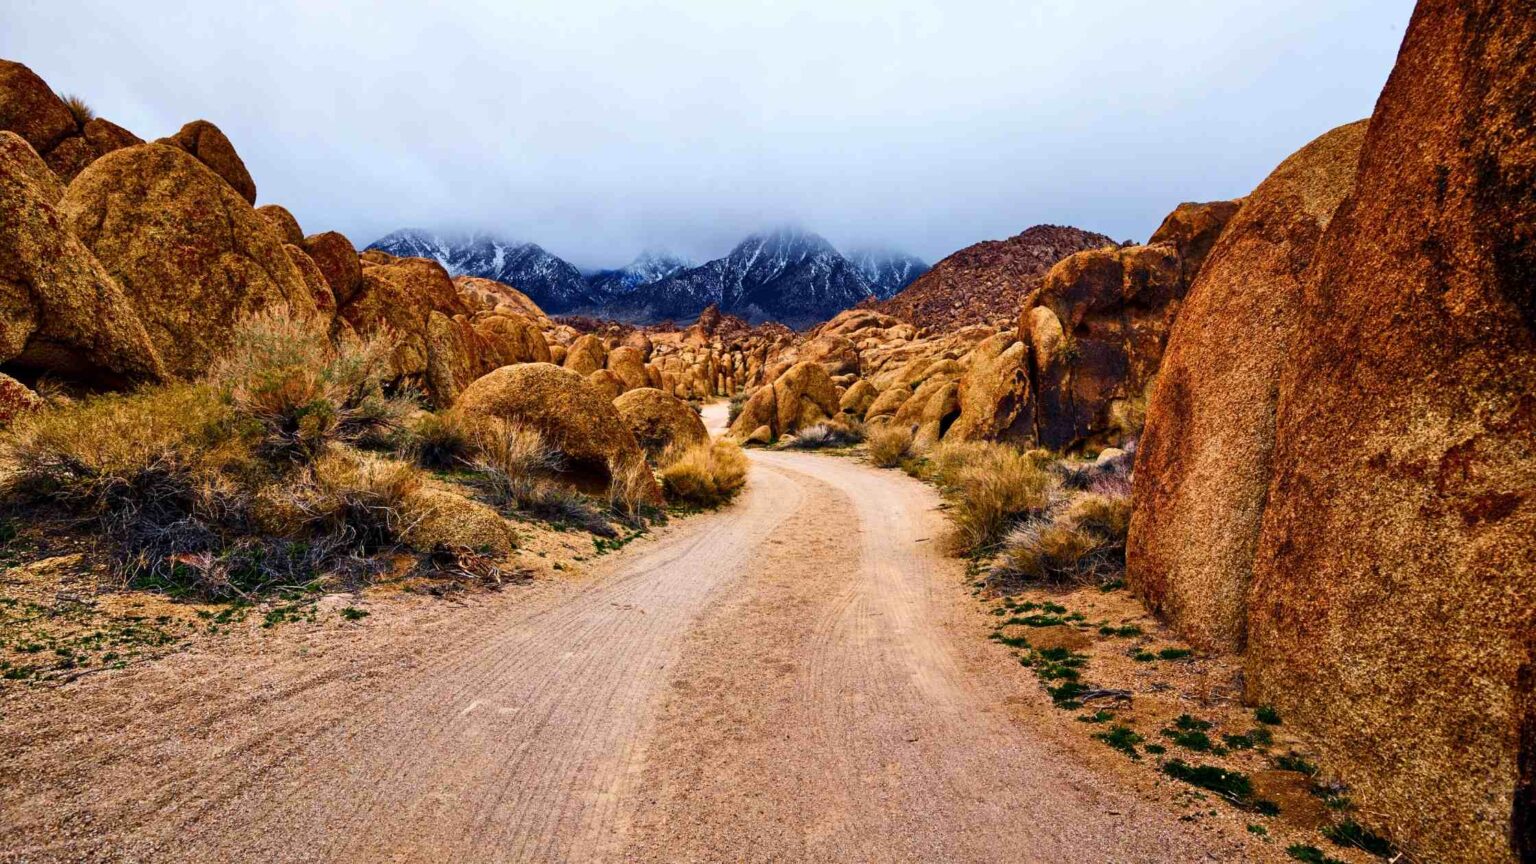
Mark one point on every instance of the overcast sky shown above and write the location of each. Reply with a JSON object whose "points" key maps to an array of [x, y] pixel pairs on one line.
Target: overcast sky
{"points": [[599, 129]]}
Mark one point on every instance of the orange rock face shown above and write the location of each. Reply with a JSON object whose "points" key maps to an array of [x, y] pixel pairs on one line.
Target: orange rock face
{"points": [[1393, 605], [1202, 469], [206, 143], [134, 204]]}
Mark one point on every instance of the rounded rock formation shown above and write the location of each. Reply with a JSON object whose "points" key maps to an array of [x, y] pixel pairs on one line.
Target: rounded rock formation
{"points": [[660, 421], [133, 205], [586, 428]]}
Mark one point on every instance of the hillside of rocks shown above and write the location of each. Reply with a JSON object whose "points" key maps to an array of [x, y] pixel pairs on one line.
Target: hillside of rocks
{"points": [[986, 282]]}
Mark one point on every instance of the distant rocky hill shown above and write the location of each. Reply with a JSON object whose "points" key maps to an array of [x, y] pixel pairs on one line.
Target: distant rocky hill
{"points": [[787, 275], [987, 282]]}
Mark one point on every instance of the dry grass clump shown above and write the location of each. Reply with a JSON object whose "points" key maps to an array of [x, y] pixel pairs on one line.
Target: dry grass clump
{"points": [[518, 469], [990, 488], [283, 373], [833, 433], [1082, 542], [239, 484], [889, 445], [704, 475], [77, 107], [630, 487]]}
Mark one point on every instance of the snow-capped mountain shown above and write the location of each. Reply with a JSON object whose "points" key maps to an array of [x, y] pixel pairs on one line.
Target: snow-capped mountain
{"points": [[786, 275], [649, 267], [887, 271], [553, 283]]}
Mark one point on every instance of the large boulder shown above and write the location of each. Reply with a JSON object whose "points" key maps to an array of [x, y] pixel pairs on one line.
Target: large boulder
{"points": [[30, 108], [1392, 612], [489, 294], [314, 279], [444, 518], [1109, 314], [628, 364], [803, 396], [659, 421], [586, 428], [400, 296], [511, 338], [333, 253], [61, 312], [280, 219], [837, 353], [994, 393], [454, 357], [856, 400], [134, 207], [586, 355], [933, 408], [97, 138], [1193, 229], [1202, 470], [207, 143]]}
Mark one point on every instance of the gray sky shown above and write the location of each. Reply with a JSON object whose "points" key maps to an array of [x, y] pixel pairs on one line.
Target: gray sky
{"points": [[598, 129]]}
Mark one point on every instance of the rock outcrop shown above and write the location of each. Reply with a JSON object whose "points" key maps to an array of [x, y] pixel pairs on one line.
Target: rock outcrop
{"points": [[1392, 602], [208, 145], [1203, 463], [61, 312], [587, 429], [659, 421], [134, 204]]}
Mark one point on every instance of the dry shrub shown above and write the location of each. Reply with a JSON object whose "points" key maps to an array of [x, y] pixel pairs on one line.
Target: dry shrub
{"points": [[284, 374], [889, 445], [704, 475], [630, 488], [77, 107], [833, 433], [365, 498], [513, 459], [738, 402], [1081, 542], [441, 440], [105, 453], [990, 487]]}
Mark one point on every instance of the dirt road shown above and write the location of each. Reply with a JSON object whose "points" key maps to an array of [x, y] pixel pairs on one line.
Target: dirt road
{"points": [[799, 677]]}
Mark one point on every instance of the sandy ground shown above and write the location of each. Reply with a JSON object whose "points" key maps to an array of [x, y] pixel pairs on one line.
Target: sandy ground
{"points": [[799, 677]]}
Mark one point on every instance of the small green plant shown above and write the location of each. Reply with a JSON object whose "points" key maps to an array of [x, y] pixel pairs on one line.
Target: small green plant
{"points": [[1189, 723], [1100, 716], [1155, 749], [1258, 829], [1124, 630], [1233, 785], [1143, 656], [1122, 738], [352, 613], [1174, 653], [1295, 762], [1189, 740], [1310, 854], [1267, 714], [1352, 833]]}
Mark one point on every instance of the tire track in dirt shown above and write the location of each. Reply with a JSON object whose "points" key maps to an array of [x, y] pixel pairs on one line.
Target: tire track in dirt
{"points": [[886, 739]]}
